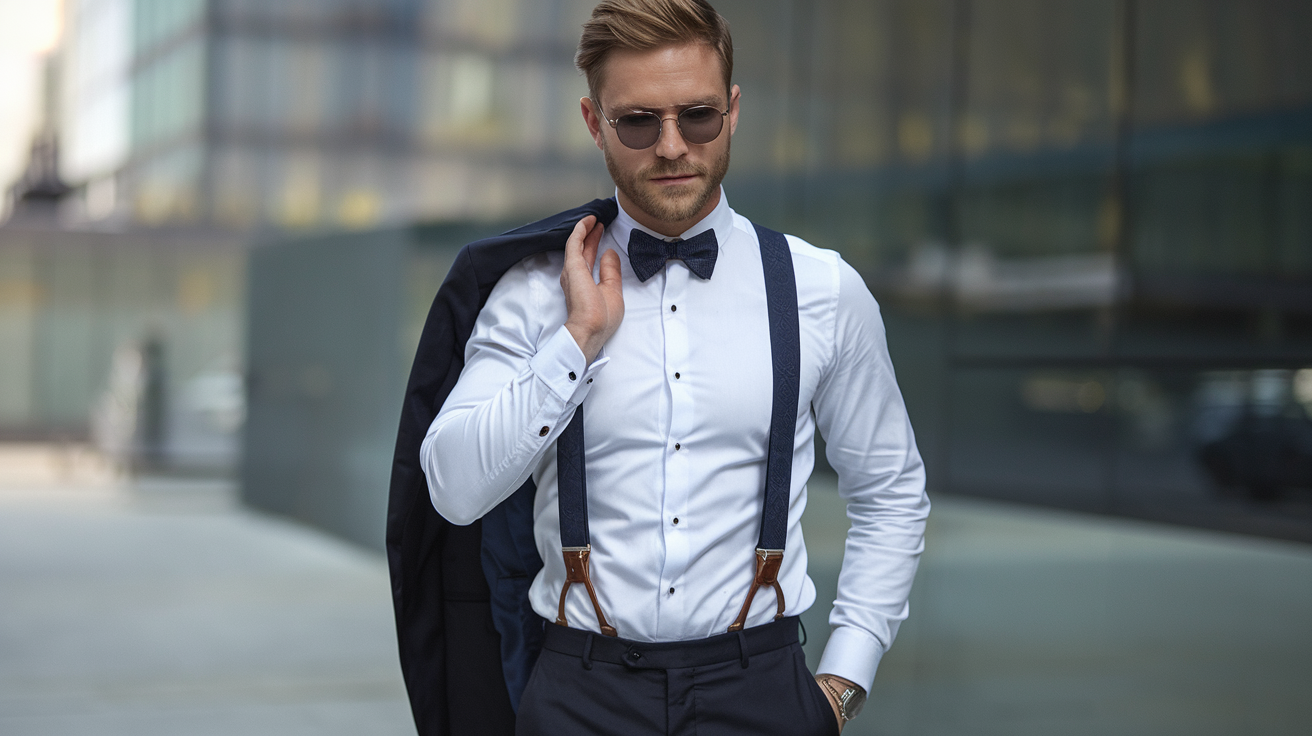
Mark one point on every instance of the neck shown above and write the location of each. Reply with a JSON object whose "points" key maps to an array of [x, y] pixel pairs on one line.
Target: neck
{"points": [[668, 228]]}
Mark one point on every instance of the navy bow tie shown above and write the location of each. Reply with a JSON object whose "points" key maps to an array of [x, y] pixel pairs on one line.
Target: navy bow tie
{"points": [[648, 254]]}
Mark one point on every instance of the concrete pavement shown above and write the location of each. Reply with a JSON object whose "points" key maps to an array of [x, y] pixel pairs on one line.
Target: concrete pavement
{"points": [[164, 608], [168, 610], [1034, 622]]}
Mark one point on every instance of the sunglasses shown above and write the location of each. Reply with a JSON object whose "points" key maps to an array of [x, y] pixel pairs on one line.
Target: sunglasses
{"points": [[638, 130]]}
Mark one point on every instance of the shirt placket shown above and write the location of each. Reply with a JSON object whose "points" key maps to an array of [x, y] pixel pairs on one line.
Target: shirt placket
{"points": [[673, 613]]}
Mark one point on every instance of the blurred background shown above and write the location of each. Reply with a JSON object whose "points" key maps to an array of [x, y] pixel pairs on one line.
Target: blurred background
{"points": [[1088, 224]]}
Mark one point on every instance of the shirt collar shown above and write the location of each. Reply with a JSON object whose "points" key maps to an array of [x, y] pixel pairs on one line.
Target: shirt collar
{"points": [[720, 220]]}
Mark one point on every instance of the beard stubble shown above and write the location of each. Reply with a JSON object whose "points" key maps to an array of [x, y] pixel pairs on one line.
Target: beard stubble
{"points": [[669, 204]]}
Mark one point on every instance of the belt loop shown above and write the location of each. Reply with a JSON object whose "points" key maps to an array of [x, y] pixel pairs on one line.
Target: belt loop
{"points": [[587, 652], [742, 648], [803, 627]]}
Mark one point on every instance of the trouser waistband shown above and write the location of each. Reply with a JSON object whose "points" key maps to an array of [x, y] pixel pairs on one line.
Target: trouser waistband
{"points": [[740, 645]]}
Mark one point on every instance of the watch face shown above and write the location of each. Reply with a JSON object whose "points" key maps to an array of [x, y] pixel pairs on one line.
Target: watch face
{"points": [[853, 701]]}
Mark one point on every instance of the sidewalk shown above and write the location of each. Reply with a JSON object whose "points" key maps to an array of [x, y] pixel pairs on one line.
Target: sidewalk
{"points": [[166, 609], [1034, 622]]}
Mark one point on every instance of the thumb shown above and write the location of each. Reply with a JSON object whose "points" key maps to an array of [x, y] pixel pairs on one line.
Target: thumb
{"points": [[610, 270], [576, 244]]}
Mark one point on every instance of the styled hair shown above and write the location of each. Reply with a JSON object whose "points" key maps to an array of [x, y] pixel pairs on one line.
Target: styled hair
{"points": [[642, 25]]}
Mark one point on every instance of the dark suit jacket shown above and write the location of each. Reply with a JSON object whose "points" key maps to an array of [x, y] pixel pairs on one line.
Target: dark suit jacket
{"points": [[468, 638]]}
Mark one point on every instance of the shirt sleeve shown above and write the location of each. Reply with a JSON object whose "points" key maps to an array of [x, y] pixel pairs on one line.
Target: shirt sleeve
{"points": [[869, 442], [523, 378]]}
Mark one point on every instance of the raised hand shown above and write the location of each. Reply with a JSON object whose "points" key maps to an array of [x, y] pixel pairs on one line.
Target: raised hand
{"points": [[594, 309]]}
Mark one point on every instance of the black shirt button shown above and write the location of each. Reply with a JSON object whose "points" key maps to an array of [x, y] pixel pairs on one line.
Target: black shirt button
{"points": [[674, 307], [676, 445], [544, 431], [589, 380], [676, 375], [671, 591], [572, 376], [676, 521]]}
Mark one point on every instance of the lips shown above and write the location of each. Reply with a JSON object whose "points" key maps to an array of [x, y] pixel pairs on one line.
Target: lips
{"points": [[674, 179]]}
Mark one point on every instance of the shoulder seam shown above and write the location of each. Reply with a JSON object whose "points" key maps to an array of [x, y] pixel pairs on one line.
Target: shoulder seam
{"points": [[801, 247]]}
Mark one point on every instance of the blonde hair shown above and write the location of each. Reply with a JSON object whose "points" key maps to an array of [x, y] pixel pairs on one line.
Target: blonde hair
{"points": [[641, 25]]}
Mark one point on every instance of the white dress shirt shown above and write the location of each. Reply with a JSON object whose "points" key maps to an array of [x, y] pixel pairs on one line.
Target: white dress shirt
{"points": [[676, 422]]}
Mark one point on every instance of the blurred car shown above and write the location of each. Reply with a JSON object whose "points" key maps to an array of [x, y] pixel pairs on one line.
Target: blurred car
{"points": [[1254, 432]]}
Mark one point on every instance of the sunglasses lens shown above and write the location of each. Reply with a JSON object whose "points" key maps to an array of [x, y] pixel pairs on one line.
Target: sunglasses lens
{"points": [[642, 129], [638, 130], [700, 124]]}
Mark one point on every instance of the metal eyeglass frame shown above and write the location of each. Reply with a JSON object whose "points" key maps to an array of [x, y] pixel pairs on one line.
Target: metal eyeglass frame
{"points": [[613, 123]]}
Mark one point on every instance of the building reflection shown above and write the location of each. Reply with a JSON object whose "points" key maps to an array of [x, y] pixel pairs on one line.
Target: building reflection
{"points": [[1085, 223], [323, 113], [1085, 220]]}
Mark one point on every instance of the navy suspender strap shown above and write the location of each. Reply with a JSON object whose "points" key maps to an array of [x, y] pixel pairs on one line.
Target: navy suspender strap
{"points": [[786, 365], [572, 481], [785, 351], [786, 362], [572, 504]]}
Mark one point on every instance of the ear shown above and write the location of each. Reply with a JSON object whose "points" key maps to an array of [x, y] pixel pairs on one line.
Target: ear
{"points": [[593, 120], [735, 94]]}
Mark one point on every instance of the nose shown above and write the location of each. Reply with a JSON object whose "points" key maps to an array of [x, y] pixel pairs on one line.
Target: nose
{"points": [[671, 144]]}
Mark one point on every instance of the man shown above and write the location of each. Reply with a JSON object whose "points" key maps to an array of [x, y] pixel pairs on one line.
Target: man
{"points": [[652, 356]]}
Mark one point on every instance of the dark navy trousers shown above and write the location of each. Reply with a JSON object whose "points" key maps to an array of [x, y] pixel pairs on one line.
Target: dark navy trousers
{"points": [[750, 683]]}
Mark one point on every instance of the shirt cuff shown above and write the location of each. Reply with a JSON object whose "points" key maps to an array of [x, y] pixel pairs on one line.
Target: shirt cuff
{"points": [[853, 655], [561, 365]]}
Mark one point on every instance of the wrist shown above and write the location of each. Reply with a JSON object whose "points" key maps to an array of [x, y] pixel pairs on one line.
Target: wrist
{"points": [[587, 340], [591, 340], [847, 696]]}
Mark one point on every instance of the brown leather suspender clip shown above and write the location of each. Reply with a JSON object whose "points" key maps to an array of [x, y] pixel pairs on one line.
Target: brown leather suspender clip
{"points": [[767, 573], [577, 571]]}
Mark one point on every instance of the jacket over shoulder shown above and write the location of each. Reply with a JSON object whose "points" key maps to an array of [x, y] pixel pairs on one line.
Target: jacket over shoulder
{"points": [[467, 635]]}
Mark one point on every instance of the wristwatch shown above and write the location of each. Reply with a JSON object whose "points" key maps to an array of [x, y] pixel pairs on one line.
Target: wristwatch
{"points": [[850, 698]]}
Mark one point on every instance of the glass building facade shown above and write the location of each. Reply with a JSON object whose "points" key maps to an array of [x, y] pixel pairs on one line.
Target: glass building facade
{"points": [[324, 114], [1088, 222]]}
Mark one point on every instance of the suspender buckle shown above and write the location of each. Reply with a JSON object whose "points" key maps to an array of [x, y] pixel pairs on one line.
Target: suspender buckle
{"points": [[577, 571], [767, 573]]}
